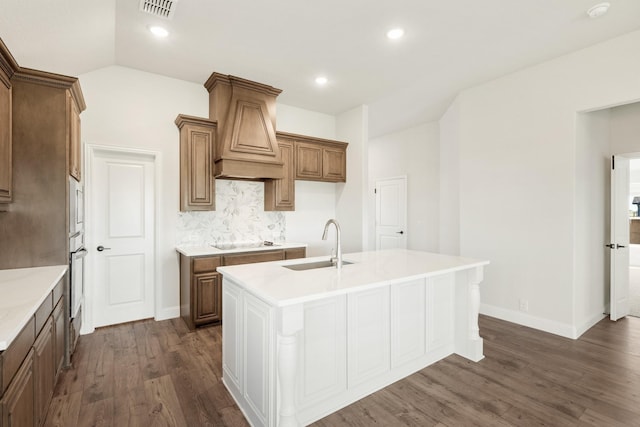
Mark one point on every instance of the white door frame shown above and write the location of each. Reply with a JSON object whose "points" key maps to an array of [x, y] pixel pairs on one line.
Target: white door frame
{"points": [[90, 240]]}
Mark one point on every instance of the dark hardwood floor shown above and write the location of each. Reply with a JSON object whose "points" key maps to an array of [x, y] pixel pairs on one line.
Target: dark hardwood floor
{"points": [[159, 374]]}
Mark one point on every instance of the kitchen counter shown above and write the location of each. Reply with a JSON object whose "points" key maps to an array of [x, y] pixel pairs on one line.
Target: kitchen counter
{"points": [[298, 345], [23, 290], [280, 286], [192, 251]]}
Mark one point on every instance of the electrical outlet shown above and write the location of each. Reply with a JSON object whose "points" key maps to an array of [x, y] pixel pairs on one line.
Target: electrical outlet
{"points": [[523, 305]]}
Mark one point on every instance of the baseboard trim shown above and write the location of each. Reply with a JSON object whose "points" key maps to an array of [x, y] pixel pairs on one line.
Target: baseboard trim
{"points": [[525, 319], [168, 313]]}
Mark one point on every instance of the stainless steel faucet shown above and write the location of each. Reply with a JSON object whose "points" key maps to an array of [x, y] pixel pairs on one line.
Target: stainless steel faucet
{"points": [[338, 257]]}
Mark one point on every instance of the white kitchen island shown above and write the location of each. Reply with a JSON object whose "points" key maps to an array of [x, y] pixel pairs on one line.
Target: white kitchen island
{"points": [[299, 345]]}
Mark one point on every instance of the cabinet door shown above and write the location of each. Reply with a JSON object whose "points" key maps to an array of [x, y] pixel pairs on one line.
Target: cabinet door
{"points": [[334, 164], [18, 401], [207, 295], [43, 371], [5, 143], [308, 161], [197, 185], [75, 143], [279, 194], [58, 336]]}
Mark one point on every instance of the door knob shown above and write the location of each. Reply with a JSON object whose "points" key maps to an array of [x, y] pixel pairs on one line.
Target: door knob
{"points": [[399, 232], [102, 248]]}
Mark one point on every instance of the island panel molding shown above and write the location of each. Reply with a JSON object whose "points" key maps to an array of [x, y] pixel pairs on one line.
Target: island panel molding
{"points": [[317, 340]]}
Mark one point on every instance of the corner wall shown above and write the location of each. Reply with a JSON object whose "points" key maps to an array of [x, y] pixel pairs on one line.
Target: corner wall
{"points": [[351, 213], [413, 152], [518, 173]]}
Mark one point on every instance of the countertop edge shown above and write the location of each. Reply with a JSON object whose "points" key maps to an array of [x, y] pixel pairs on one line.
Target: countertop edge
{"points": [[193, 251], [4, 344]]}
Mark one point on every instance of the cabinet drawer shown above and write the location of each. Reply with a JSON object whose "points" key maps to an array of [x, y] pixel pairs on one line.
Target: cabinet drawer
{"points": [[253, 257], [43, 312], [206, 264], [295, 253], [57, 292]]}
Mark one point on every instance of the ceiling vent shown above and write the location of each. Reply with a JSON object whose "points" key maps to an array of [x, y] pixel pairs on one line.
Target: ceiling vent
{"points": [[160, 8]]}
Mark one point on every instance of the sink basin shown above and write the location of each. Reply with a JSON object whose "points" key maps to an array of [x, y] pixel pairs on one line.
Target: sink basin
{"points": [[315, 264]]}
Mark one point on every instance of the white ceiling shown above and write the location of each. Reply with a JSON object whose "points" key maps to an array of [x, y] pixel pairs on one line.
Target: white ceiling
{"points": [[449, 45]]}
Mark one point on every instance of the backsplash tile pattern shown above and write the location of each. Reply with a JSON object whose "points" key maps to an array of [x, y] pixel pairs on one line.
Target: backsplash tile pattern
{"points": [[239, 217]]}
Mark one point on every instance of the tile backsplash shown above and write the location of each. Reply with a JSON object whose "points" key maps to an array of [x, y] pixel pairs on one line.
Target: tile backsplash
{"points": [[239, 217]]}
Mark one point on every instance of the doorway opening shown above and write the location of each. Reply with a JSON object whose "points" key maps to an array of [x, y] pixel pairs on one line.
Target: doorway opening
{"points": [[634, 237]]}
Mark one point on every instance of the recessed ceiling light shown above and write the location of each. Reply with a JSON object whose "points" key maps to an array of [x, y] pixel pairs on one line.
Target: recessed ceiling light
{"points": [[598, 10], [395, 33], [159, 32], [321, 80]]}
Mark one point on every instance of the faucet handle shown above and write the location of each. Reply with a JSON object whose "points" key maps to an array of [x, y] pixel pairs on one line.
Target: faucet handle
{"points": [[333, 255]]}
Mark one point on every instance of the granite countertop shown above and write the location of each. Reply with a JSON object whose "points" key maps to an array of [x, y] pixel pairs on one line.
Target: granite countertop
{"points": [[23, 290], [280, 286], [188, 250]]}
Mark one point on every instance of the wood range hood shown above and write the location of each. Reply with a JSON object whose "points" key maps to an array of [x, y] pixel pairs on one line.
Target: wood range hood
{"points": [[245, 137]]}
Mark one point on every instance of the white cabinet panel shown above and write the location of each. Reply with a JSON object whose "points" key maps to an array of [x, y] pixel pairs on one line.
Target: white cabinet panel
{"points": [[232, 334], [368, 335], [440, 291], [257, 355], [407, 322], [323, 354]]}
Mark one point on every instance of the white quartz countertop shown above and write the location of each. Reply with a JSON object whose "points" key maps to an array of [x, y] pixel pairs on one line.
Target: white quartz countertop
{"points": [[280, 286], [22, 290], [210, 250]]}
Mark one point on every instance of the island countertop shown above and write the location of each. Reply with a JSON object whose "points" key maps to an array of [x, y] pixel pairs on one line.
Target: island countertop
{"points": [[23, 290], [280, 286]]}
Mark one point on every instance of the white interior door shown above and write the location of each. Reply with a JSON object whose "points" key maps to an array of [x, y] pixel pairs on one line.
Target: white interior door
{"points": [[123, 232], [619, 244], [391, 213]]}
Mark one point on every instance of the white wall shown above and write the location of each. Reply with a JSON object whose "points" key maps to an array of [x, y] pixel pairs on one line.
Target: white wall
{"points": [[625, 129], [130, 108], [415, 153], [351, 126], [517, 162], [592, 218], [450, 180]]}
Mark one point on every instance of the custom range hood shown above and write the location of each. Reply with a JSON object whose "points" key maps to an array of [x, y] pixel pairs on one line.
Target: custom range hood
{"points": [[245, 142]]}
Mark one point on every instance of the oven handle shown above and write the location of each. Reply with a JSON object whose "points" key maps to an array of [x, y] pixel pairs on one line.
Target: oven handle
{"points": [[80, 253]]}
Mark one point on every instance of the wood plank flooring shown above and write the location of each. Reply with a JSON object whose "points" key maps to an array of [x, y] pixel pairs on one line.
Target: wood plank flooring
{"points": [[159, 374]]}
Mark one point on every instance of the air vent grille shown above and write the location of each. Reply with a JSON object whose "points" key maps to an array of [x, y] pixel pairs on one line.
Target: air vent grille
{"points": [[161, 8]]}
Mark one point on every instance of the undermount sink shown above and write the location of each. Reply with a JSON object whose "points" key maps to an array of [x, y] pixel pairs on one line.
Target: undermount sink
{"points": [[315, 264]]}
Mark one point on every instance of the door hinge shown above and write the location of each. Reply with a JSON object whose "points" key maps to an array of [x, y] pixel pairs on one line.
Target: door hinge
{"points": [[375, 191], [613, 162]]}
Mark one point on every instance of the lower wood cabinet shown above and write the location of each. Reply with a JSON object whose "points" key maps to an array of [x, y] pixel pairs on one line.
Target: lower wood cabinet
{"points": [[43, 371], [58, 334], [201, 285], [207, 294], [18, 401], [29, 367]]}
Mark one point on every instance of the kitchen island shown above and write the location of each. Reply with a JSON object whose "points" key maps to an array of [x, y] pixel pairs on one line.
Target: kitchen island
{"points": [[301, 344]]}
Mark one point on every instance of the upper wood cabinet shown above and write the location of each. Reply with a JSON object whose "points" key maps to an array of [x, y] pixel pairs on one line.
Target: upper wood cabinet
{"points": [[75, 142], [197, 142], [279, 194], [8, 66], [318, 159]]}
